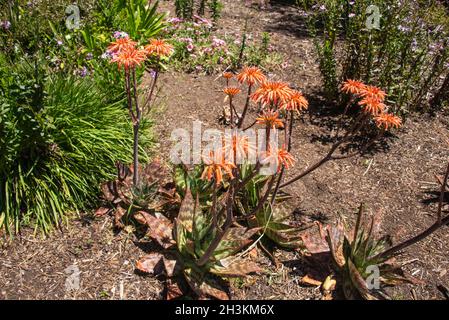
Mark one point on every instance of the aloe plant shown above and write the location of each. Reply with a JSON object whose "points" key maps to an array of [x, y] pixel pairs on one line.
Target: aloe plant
{"points": [[155, 194], [356, 258], [273, 221], [187, 240]]}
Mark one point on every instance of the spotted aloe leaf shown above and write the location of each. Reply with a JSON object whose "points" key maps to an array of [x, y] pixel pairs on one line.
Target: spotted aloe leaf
{"points": [[152, 263], [275, 227], [235, 267], [234, 240], [184, 224], [392, 274], [155, 172], [173, 291], [172, 266], [357, 282], [205, 285], [335, 239], [119, 213], [157, 263], [187, 212], [160, 228], [314, 244]]}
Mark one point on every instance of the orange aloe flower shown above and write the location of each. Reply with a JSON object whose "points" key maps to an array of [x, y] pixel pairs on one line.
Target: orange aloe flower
{"points": [[387, 120], [278, 156], [373, 92], [270, 119], [232, 91], [215, 165], [372, 105], [239, 146], [121, 44], [251, 75], [275, 92], [297, 102], [129, 58], [228, 75], [353, 86], [159, 48]]}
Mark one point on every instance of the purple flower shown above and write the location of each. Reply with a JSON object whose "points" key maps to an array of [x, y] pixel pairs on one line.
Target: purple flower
{"points": [[186, 40], [59, 42], [207, 50], [120, 34], [152, 73], [190, 47], [403, 29], [82, 72], [303, 13], [319, 7], [106, 56], [5, 25], [89, 56]]}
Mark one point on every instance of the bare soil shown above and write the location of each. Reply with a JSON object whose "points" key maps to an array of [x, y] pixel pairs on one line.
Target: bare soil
{"points": [[396, 178]]}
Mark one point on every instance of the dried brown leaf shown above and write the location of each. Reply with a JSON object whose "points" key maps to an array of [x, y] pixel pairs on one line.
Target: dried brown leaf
{"points": [[102, 211], [307, 280]]}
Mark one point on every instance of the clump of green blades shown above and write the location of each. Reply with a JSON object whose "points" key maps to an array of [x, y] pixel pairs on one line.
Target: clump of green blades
{"points": [[188, 239]]}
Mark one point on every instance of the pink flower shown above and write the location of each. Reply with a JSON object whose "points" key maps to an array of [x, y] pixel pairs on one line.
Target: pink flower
{"points": [[174, 20], [207, 50], [190, 47], [216, 43]]}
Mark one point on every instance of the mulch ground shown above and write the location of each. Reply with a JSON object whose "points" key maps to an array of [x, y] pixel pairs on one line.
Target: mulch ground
{"points": [[396, 179]]}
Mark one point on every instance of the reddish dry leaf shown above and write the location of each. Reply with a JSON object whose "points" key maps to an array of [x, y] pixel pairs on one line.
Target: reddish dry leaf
{"points": [[151, 263], [102, 211]]}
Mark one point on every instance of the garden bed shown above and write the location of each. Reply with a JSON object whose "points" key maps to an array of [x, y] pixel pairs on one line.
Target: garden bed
{"points": [[398, 181]]}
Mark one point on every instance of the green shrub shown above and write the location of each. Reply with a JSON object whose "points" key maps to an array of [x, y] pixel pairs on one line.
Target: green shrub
{"points": [[59, 138], [407, 53]]}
